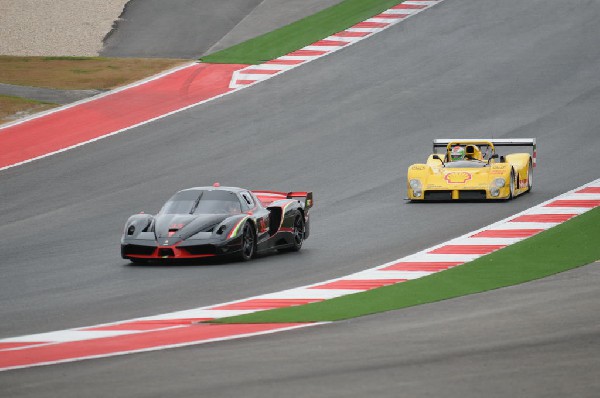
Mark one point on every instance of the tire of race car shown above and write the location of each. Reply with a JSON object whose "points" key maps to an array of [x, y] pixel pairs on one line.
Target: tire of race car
{"points": [[299, 229], [529, 176], [512, 184], [248, 243]]}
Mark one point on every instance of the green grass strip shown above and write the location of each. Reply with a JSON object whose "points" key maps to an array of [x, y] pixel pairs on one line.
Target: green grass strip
{"points": [[566, 246], [300, 33]]}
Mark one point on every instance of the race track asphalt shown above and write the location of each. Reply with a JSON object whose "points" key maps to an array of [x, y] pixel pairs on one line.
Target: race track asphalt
{"points": [[347, 127]]}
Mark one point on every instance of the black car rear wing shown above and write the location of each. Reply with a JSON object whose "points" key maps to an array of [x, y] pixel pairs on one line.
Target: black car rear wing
{"points": [[267, 197], [498, 142], [307, 197]]}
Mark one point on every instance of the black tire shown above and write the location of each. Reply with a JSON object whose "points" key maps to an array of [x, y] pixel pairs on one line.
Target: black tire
{"points": [[512, 184], [529, 176], [248, 243], [299, 231]]}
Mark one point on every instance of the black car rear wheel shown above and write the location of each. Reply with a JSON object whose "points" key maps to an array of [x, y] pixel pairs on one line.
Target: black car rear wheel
{"points": [[298, 234], [248, 243]]}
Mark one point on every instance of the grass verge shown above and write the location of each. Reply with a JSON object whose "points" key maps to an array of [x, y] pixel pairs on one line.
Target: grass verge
{"points": [[566, 246], [80, 73], [12, 108], [300, 33]]}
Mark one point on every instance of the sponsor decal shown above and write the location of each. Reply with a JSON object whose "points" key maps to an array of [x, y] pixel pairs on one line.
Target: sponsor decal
{"points": [[523, 183], [458, 177], [417, 167]]}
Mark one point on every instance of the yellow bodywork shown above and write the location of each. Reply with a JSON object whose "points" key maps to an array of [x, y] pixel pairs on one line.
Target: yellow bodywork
{"points": [[492, 179]]}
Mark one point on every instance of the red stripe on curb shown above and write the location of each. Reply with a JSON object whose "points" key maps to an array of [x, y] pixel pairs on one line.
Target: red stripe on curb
{"points": [[409, 6], [554, 218], [358, 284], [432, 266], [371, 25], [574, 203], [260, 71], [307, 53], [148, 325], [391, 16], [245, 81], [589, 190], [7, 346], [285, 61], [329, 43], [507, 233], [129, 343], [100, 117], [351, 34], [264, 304], [466, 249]]}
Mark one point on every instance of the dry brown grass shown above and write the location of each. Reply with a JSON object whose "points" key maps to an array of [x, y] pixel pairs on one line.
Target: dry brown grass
{"points": [[13, 108], [80, 73]]}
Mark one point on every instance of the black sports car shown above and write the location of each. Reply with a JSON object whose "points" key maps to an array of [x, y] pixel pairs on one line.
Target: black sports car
{"points": [[213, 221]]}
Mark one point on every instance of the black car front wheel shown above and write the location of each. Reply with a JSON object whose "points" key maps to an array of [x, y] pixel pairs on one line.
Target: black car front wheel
{"points": [[248, 243]]}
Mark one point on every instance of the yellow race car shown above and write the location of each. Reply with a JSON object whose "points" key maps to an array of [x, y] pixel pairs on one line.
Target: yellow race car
{"points": [[472, 169]]}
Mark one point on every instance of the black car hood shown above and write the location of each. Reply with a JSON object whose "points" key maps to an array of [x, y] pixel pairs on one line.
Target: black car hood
{"points": [[183, 226]]}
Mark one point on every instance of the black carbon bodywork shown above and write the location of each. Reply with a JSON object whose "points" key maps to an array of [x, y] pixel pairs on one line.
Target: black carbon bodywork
{"points": [[218, 221]]}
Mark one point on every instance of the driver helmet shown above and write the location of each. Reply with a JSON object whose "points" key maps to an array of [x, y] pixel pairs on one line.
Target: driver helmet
{"points": [[458, 153]]}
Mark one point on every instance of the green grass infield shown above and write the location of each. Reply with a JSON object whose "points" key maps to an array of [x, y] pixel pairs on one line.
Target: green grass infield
{"points": [[566, 246], [300, 33]]}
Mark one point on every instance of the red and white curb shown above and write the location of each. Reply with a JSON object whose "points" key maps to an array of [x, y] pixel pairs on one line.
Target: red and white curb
{"points": [[257, 73], [126, 87], [183, 328]]}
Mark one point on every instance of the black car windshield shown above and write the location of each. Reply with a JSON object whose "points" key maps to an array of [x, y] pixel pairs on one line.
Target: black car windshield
{"points": [[202, 202], [466, 164]]}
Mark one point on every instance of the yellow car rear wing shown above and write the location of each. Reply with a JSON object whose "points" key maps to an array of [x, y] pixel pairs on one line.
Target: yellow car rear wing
{"points": [[497, 142]]}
